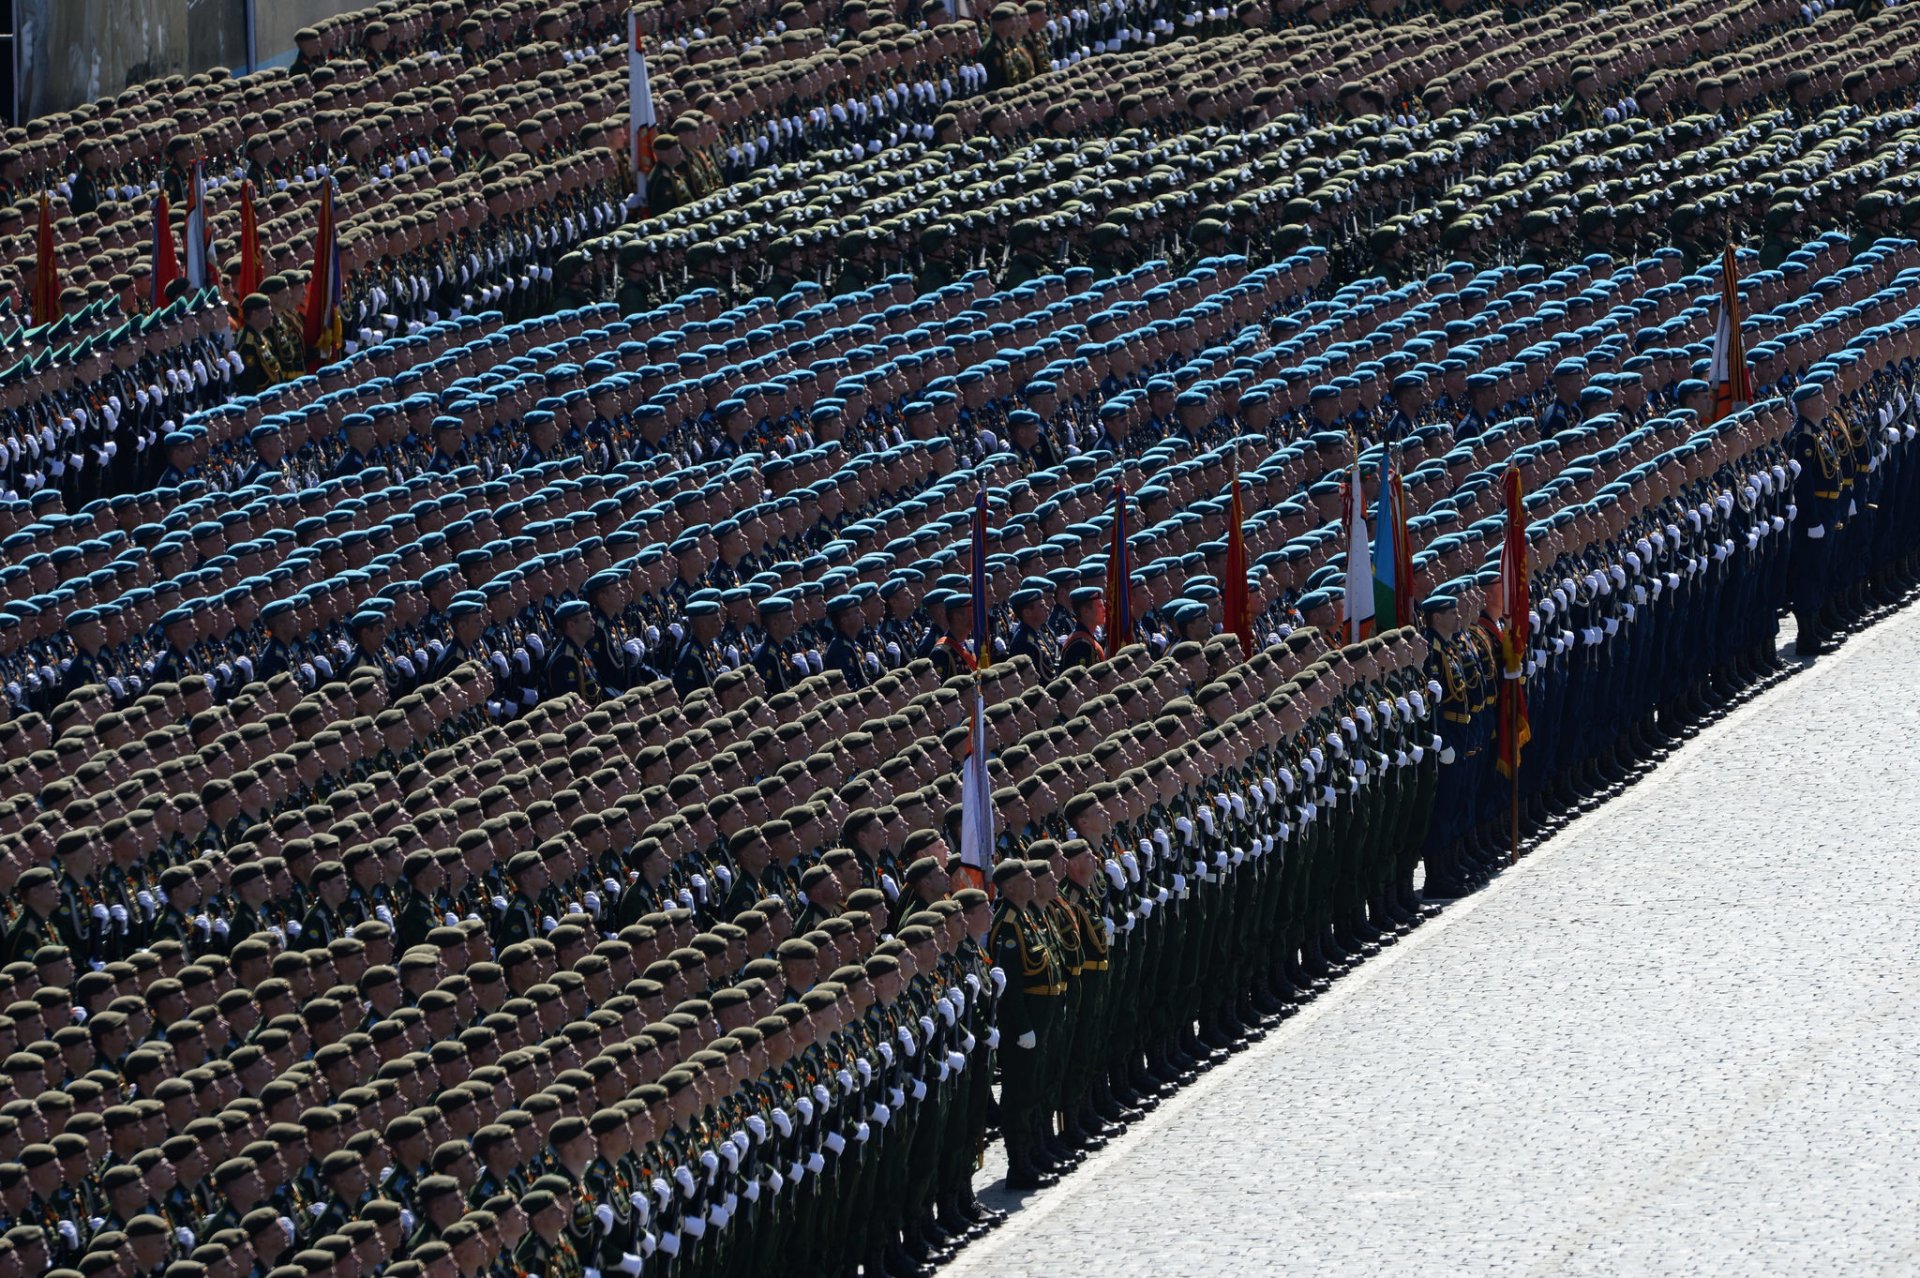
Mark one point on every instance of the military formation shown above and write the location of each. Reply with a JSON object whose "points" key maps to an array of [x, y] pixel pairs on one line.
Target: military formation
{"points": [[486, 800]]}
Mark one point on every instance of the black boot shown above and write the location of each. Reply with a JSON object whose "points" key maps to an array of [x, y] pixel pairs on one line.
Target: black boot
{"points": [[1022, 1173]]}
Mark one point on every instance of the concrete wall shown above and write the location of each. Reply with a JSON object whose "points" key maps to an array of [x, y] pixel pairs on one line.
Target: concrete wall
{"points": [[73, 51], [275, 21]]}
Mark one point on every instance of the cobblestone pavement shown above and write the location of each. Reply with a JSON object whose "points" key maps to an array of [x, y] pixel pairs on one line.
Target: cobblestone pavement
{"points": [[1680, 1038]]}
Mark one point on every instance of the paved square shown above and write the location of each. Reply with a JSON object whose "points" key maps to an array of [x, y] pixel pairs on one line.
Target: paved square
{"points": [[1682, 1038]]}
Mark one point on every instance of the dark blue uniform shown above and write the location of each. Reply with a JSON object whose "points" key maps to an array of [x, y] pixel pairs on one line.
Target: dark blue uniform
{"points": [[690, 667], [570, 669]]}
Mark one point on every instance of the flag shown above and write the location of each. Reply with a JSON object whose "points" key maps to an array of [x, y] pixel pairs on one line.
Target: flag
{"points": [[982, 647], [1119, 592], [1357, 610], [320, 324], [1515, 627], [202, 270], [976, 794], [976, 798], [641, 119], [1731, 379], [248, 279], [1392, 555], [46, 269], [1238, 606], [166, 265]]}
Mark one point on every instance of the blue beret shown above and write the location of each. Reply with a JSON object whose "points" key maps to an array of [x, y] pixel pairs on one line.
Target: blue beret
{"points": [[569, 610]]}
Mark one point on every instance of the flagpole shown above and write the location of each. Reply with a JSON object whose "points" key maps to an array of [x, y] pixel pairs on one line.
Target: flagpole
{"points": [[1513, 844]]}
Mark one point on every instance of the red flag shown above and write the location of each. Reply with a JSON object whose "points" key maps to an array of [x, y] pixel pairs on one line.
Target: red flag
{"points": [[166, 263], [1732, 380], [46, 269], [250, 274], [320, 324], [1119, 596], [1515, 627], [1239, 607]]}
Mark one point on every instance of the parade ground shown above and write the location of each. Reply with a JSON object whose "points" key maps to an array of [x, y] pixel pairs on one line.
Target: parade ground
{"points": [[1679, 1038]]}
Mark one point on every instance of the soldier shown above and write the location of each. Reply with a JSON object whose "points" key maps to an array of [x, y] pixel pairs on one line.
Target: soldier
{"points": [[843, 652], [667, 185], [260, 365], [693, 660], [1817, 495], [1030, 637], [570, 665], [772, 657], [309, 54], [547, 1248], [1003, 53], [1082, 647], [44, 918], [1031, 979]]}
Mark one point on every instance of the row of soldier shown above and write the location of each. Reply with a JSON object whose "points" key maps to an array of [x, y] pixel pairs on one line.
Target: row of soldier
{"points": [[1217, 860], [1169, 1056], [728, 568], [1525, 178]]}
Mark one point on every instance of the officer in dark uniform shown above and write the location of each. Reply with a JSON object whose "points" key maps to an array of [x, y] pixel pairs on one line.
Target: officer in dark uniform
{"points": [[176, 660], [519, 917], [180, 465], [693, 661], [358, 455], [369, 630], [1030, 637], [570, 667], [773, 656], [39, 921], [1003, 53], [467, 619], [843, 651], [1564, 411], [322, 925], [950, 654], [1816, 493], [259, 365], [1018, 944], [449, 446], [309, 56], [546, 1249], [269, 454], [89, 664], [1082, 647], [667, 186]]}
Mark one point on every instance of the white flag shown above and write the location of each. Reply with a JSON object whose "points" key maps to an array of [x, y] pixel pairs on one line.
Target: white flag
{"points": [[1358, 609], [196, 230], [641, 120], [976, 796]]}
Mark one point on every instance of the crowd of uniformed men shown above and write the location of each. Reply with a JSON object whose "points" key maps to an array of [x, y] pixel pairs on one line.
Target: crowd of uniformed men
{"points": [[491, 805]]}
